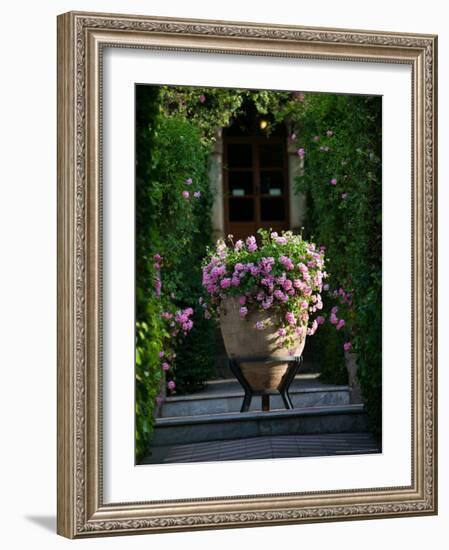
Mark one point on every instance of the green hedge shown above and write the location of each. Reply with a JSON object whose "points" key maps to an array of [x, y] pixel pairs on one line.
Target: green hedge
{"points": [[169, 151], [341, 139]]}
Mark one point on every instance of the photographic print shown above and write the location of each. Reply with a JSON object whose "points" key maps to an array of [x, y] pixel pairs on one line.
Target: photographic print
{"points": [[258, 274]]}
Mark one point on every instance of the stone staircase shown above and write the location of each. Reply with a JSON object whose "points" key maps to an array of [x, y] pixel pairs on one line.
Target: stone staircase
{"points": [[213, 414]]}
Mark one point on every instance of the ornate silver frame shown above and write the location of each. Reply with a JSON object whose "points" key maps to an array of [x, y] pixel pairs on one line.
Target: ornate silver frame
{"points": [[81, 511]]}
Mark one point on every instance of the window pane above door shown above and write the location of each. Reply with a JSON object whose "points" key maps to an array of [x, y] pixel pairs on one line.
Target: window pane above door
{"points": [[239, 155], [271, 155]]}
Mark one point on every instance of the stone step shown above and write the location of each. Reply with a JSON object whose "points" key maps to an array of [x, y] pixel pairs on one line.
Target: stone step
{"points": [[213, 427], [225, 396]]}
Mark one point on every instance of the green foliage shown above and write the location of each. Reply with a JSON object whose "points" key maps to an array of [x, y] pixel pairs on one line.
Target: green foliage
{"points": [[329, 342], [213, 108], [184, 230], [207, 108], [169, 151], [194, 360], [341, 138], [150, 330]]}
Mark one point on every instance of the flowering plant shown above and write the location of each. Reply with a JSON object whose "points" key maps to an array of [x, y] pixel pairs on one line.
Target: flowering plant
{"points": [[282, 275]]}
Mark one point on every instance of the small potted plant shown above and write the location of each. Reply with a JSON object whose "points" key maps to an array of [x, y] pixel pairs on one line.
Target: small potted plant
{"points": [[266, 296]]}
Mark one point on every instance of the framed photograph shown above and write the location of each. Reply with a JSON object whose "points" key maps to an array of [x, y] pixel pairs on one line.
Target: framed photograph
{"points": [[246, 274]]}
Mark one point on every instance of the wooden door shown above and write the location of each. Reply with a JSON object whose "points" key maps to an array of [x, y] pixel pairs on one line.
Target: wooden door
{"points": [[255, 185]]}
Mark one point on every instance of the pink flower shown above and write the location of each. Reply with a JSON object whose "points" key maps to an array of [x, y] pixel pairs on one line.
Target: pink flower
{"points": [[326, 287], [286, 262], [259, 325], [158, 287], [340, 324], [186, 194], [320, 319], [334, 181], [165, 366], [161, 354], [280, 295], [301, 152], [334, 310], [242, 300], [333, 319], [188, 181], [266, 304], [243, 311], [171, 385], [293, 137], [159, 400], [202, 98], [281, 240], [281, 332], [304, 304], [311, 331], [197, 194], [287, 284], [235, 281], [225, 283], [297, 283], [290, 318], [157, 257], [347, 346], [251, 244], [238, 245]]}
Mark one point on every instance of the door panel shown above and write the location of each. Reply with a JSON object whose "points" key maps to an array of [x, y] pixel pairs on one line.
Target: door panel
{"points": [[255, 185]]}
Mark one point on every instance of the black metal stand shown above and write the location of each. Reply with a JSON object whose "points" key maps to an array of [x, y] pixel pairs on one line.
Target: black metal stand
{"points": [[287, 379]]}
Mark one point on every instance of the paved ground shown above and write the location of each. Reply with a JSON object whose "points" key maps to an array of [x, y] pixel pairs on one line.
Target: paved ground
{"points": [[284, 446]]}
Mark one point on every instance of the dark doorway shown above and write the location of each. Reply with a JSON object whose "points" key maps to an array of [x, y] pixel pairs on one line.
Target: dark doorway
{"points": [[255, 175]]}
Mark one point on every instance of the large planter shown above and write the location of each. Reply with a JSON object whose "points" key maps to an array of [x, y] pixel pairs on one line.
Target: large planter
{"points": [[242, 340]]}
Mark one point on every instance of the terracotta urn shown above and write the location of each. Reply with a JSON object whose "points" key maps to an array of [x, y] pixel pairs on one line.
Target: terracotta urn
{"points": [[243, 340]]}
